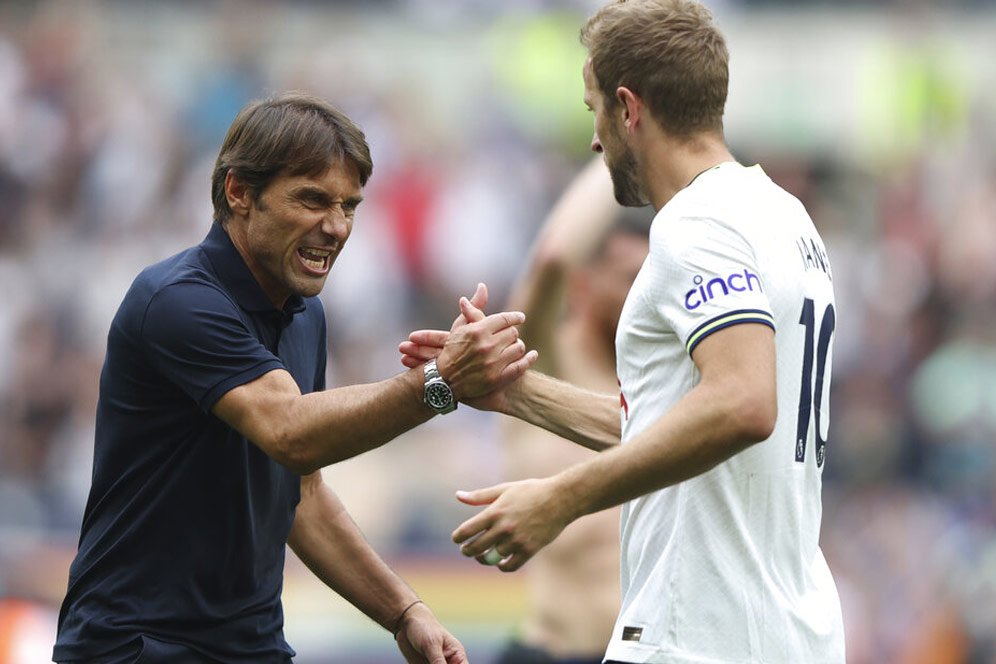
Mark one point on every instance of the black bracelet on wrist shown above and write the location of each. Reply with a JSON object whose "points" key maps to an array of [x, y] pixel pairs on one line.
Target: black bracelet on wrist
{"points": [[397, 622]]}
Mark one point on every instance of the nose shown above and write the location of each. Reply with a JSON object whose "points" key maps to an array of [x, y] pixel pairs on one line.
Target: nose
{"points": [[596, 145], [337, 224]]}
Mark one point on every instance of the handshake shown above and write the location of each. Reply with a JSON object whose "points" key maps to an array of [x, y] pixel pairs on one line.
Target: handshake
{"points": [[474, 361], [483, 359]]}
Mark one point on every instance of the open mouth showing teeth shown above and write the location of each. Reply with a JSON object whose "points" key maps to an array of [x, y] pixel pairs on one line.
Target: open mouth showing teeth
{"points": [[315, 259]]}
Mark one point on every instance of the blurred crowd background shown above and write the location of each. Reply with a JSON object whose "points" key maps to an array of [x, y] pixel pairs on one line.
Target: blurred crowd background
{"points": [[879, 116]]}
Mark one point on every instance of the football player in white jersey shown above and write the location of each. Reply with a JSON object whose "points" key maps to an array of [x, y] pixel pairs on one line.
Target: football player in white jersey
{"points": [[723, 353]]}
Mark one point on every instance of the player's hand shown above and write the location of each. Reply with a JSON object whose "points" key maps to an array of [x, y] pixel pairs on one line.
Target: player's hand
{"points": [[484, 355], [422, 640], [423, 345], [520, 519]]}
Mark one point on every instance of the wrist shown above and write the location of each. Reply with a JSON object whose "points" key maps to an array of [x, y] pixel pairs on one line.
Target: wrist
{"points": [[515, 404], [437, 393], [407, 615], [570, 495]]}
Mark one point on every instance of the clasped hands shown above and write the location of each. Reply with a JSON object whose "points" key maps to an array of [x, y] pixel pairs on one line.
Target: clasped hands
{"points": [[481, 357]]}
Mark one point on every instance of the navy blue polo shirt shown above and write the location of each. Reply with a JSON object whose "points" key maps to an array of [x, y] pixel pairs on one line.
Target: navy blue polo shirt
{"points": [[184, 530]]}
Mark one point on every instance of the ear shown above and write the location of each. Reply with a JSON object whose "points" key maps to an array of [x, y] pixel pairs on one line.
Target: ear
{"points": [[237, 194], [632, 108]]}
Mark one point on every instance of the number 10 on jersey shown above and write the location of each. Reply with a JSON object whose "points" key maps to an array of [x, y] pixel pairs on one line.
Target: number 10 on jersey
{"points": [[811, 397]]}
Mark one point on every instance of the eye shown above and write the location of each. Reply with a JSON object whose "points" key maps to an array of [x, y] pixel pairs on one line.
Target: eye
{"points": [[312, 202], [349, 207]]}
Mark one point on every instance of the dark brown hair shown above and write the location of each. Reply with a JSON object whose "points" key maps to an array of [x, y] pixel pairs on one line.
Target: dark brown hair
{"points": [[669, 53], [290, 134]]}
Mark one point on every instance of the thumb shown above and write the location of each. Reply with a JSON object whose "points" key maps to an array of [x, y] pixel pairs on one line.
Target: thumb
{"points": [[469, 311], [481, 496], [433, 653], [480, 297]]}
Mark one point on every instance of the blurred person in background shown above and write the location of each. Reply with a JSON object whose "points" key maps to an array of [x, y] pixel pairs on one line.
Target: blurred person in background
{"points": [[214, 422], [721, 463], [584, 261]]}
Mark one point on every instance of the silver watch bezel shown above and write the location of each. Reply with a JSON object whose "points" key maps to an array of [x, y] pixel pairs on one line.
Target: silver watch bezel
{"points": [[436, 392]]}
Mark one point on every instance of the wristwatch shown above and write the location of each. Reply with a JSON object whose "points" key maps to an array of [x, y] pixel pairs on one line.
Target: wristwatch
{"points": [[438, 395]]}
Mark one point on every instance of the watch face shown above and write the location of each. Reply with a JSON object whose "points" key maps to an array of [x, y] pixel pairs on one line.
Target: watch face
{"points": [[438, 395]]}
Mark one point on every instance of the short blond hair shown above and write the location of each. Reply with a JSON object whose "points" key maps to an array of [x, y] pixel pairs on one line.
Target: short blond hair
{"points": [[670, 53]]}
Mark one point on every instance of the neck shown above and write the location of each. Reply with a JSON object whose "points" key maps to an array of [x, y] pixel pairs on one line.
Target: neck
{"points": [[671, 163], [235, 228]]}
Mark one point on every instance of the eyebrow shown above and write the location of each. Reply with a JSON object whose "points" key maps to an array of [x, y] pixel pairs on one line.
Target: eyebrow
{"points": [[311, 192]]}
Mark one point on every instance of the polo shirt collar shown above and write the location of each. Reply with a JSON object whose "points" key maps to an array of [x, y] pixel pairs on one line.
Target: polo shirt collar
{"points": [[233, 272]]}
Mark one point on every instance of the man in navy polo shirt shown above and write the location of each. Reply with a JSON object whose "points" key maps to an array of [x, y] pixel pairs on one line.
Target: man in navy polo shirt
{"points": [[214, 422]]}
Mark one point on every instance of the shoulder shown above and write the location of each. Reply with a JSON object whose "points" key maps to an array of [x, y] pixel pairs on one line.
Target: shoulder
{"points": [[693, 227], [188, 266], [174, 289]]}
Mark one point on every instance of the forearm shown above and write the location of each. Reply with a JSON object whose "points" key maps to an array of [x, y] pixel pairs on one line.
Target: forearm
{"points": [[699, 432], [332, 425], [582, 416], [327, 540]]}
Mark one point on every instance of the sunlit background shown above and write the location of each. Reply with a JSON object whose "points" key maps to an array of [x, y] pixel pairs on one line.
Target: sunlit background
{"points": [[880, 116]]}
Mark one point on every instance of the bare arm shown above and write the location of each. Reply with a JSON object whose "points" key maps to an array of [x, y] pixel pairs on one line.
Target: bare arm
{"points": [[327, 540], [310, 431], [307, 432], [582, 416], [733, 406]]}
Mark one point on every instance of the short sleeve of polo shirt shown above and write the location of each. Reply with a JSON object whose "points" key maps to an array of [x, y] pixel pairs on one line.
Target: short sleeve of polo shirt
{"points": [[196, 337], [708, 279]]}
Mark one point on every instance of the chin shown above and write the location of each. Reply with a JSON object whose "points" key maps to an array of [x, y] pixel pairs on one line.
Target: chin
{"points": [[309, 289], [628, 194], [624, 184]]}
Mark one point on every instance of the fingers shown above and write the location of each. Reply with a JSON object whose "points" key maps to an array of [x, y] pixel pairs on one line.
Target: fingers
{"points": [[472, 313], [434, 654], [431, 338], [514, 352], [458, 657], [493, 323], [419, 352], [507, 338], [484, 496], [515, 370], [474, 533], [502, 320], [480, 297], [475, 525]]}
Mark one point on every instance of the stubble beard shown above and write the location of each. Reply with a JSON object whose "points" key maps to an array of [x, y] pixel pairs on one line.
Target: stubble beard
{"points": [[624, 182]]}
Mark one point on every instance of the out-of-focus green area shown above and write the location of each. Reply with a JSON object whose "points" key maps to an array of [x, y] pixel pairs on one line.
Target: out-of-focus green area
{"points": [[880, 117]]}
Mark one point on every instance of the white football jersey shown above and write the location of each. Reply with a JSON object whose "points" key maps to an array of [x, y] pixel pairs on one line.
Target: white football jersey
{"points": [[726, 567]]}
